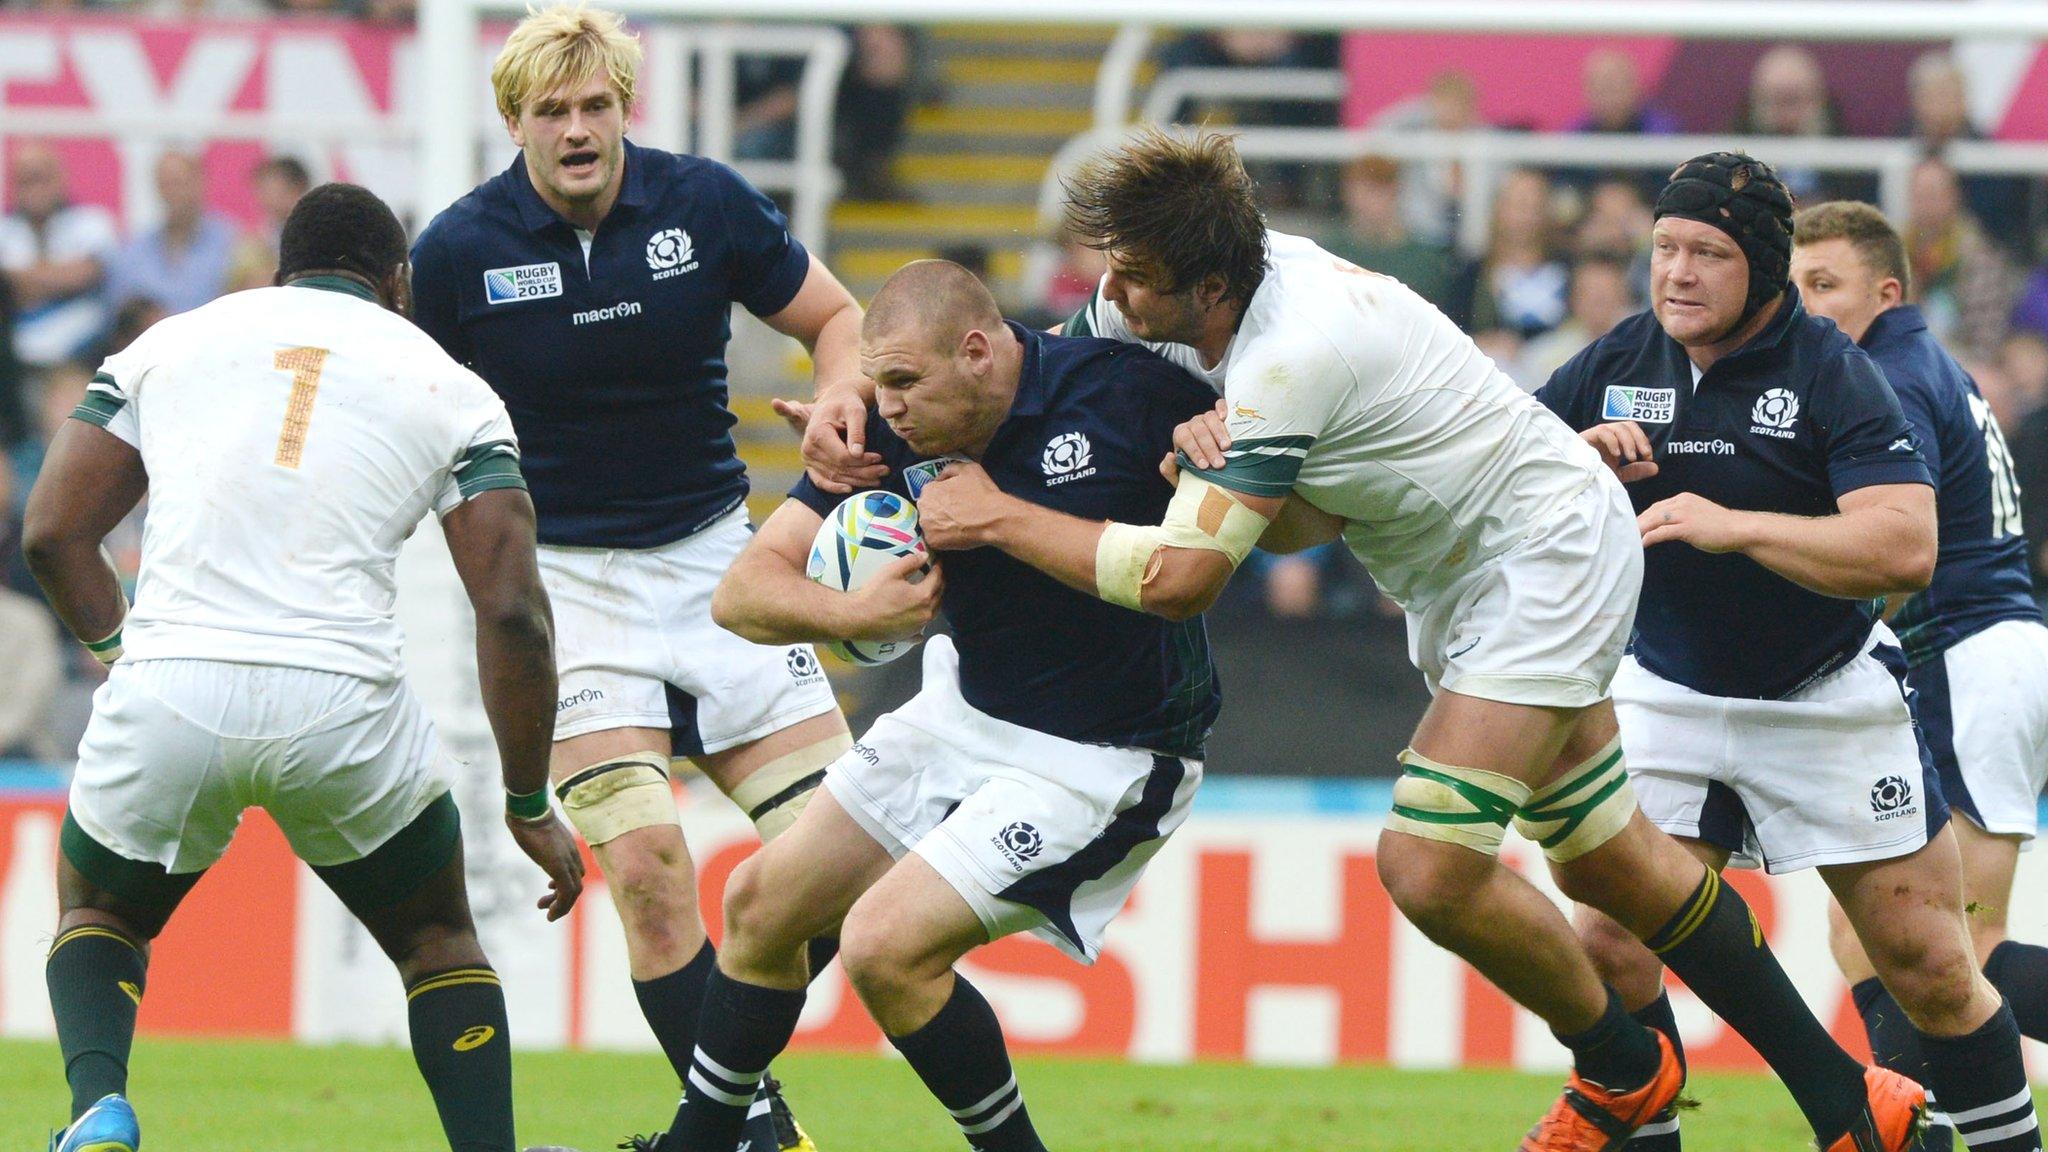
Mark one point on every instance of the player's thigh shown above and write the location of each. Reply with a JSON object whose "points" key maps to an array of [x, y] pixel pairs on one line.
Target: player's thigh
{"points": [[1989, 862], [801, 885], [1519, 741], [724, 690], [913, 923], [426, 929], [1906, 908], [774, 778], [614, 787]]}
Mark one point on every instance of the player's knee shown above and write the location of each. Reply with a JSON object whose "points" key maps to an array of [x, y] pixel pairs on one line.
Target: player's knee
{"points": [[1934, 981], [1582, 810], [755, 920], [1430, 881], [653, 889], [435, 946], [874, 954], [1617, 955], [1444, 833]]}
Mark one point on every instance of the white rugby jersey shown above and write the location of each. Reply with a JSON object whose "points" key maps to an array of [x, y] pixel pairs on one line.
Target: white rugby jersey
{"points": [[1350, 389], [294, 437]]}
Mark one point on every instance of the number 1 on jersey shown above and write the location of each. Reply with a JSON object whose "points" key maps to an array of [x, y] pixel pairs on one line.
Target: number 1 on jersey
{"points": [[304, 364]]}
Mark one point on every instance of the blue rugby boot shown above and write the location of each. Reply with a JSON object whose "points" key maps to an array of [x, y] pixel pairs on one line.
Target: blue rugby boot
{"points": [[107, 1126]]}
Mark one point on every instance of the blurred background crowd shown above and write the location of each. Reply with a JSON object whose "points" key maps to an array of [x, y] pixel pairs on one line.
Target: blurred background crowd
{"points": [[1563, 257]]}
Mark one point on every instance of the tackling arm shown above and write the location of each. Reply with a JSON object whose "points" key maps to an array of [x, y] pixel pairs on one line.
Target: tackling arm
{"points": [[1882, 541], [90, 480]]}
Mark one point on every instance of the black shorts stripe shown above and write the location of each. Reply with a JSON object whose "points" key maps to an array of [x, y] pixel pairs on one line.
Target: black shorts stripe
{"points": [[1935, 711], [684, 738], [1050, 890], [1933, 801]]}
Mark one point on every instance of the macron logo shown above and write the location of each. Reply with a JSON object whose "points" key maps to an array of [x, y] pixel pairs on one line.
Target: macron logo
{"points": [[600, 315]]}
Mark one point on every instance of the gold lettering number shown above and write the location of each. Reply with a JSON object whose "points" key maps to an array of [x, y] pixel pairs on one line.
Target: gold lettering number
{"points": [[304, 364]]}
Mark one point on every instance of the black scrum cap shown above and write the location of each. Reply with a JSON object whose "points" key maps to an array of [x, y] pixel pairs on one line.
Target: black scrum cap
{"points": [[1743, 197]]}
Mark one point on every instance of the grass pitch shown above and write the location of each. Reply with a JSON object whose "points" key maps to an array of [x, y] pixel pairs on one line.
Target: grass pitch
{"points": [[198, 1096]]}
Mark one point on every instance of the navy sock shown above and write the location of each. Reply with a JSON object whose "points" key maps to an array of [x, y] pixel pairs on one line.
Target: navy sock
{"points": [[1660, 1134], [1716, 947], [821, 951], [1980, 1080], [960, 1056], [95, 977], [1617, 1052], [742, 1027], [2020, 973], [671, 1004], [459, 1040], [1894, 1042]]}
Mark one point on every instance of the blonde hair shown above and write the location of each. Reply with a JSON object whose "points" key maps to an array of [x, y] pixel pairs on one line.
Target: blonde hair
{"points": [[564, 46]]}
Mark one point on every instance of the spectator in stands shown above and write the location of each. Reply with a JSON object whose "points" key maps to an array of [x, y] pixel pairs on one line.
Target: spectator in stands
{"points": [[277, 182], [1060, 275], [1520, 283], [183, 262], [1601, 297], [1788, 96], [1940, 115], [34, 667], [1961, 280], [1285, 185], [1375, 235], [2023, 364], [876, 93], [55, 257], [1431, 191], [1616, 226], [1615, 103]]}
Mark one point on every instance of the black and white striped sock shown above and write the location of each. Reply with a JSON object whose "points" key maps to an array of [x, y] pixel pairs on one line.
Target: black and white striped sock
{"points": [[741, 1029], [1981, 1081], [960, 1056]]}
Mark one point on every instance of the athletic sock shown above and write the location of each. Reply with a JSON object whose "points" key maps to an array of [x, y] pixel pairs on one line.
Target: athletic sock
{"points": [[743, 1026], [1617, 1052], [95, 976], [671, 1004], [1895, 1044], [464, 1050], [822, 950], [1660, 1134], [2020, 973], [1715, 945], [1980, 1080], [961, 1057]]}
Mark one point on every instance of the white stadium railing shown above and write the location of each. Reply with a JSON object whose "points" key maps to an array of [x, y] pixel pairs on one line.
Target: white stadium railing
{"points": [[1486, 155]]}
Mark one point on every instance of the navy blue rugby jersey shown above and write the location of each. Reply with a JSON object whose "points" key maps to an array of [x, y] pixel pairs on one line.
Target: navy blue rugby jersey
{"points": [[1980, 576], [1091, 420], [612, 365], [1787, 423]]}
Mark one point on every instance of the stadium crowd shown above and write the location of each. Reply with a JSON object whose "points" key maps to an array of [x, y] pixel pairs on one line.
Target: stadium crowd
{"points": [[1565, 258]]}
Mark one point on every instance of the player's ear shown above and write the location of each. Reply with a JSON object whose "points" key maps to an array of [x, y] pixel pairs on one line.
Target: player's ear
{"points": [[396, 289], [976, 350], [1890, 292], [1209, 290], [512, 129]]}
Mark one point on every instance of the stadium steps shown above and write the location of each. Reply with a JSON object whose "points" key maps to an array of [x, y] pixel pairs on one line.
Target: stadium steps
{"points": [[973, 158]]}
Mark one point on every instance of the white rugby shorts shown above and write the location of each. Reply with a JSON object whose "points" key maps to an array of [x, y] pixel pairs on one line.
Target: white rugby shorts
{"points": [[1835, 773], [1035, 832], [176, 749], [1544, 623], [1983, 705], [635, 647]]}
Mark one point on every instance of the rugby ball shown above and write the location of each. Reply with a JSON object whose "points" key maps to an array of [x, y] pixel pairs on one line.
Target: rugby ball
{"points": [[865, 534]]}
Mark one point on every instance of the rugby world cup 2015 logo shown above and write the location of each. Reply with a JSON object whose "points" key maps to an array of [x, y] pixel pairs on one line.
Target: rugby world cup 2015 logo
{"points": [[1774, 413], [1067, 457], [670, 253]]}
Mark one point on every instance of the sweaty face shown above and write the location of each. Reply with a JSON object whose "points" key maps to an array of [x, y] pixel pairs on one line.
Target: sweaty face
{"points": [[574, 142], [1153, 314], [1698, 280], [1835, 281], [930, 396]]}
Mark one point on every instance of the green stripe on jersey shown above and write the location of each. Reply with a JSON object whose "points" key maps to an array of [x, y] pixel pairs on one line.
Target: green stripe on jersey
{"points": [[480, 474], [1079, 324], [102, 401], [1264, 466]]}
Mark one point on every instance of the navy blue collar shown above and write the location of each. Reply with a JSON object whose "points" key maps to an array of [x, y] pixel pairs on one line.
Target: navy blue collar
{"points": [[535, 213], [1894, 323], [1030, 399]]}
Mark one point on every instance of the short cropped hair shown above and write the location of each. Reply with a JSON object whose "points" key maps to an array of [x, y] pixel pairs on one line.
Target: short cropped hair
{"points": [[564, 46], [1866, 230], [340, 228], [289, 169], [1182, 205]]}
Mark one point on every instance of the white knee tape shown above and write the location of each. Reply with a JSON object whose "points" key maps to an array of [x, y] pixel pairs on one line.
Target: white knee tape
{"points": [[1581, 810], [613, 797], [776, 793], [1466, 806]]}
